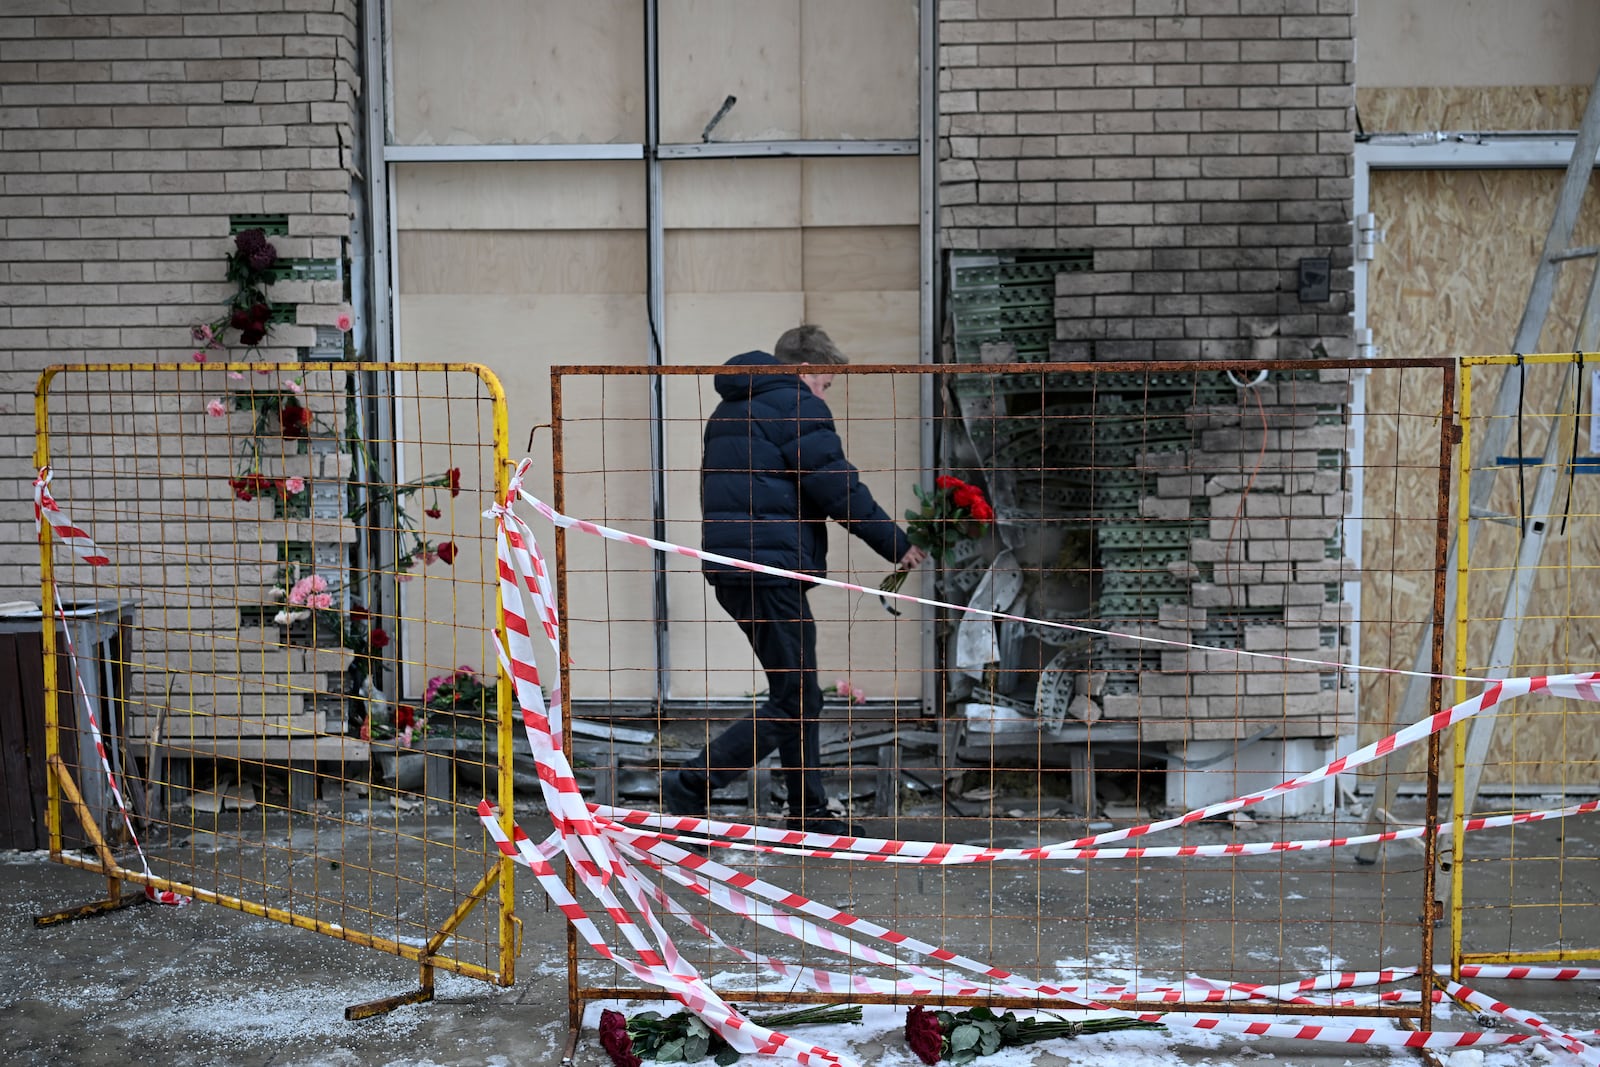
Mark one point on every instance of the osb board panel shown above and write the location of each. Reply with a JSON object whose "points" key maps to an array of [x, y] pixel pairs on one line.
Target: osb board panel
{"points": [[1452, 279], [518, 71], [566, 195], [522, 261], [519, 337], [1489, 107], [1447, 42]]}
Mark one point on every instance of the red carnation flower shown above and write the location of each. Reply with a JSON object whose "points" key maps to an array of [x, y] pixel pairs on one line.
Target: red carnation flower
{"points": [[447, 551], [455, 481], [296, 420], [241, 488], [965, 497], [615, 1040], [982, 511], [924, 1034], [379, 638], [432, 513], [944, 481], [359, 612], [404, 716]]}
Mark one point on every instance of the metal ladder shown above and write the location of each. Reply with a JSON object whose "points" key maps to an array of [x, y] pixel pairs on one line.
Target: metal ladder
{"points": [[1534, 522]]}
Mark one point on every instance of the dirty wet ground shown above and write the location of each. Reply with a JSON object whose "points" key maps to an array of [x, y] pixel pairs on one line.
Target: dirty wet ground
{"points": [[209, 985]]}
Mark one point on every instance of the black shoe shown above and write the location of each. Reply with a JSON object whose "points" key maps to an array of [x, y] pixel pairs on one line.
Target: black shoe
{"points": [[825, 822], [684, 792]]}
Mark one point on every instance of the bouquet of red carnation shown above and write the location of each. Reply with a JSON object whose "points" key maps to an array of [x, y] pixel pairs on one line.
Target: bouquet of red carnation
{"points": [[953, 514], [961, 1037]]}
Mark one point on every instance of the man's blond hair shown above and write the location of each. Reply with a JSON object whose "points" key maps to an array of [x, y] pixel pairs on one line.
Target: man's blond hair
{"points": [[807, 344]]}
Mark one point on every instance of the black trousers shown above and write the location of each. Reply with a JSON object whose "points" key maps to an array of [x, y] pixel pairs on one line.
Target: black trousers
{"points": [[776, 619]]}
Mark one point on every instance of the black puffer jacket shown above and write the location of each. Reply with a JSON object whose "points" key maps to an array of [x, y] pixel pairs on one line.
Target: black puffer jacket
{"points": [[774, 472]]}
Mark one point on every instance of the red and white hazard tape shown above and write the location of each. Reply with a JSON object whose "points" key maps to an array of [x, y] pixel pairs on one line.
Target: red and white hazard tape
{"points": [[45, 509], [603, 844]]}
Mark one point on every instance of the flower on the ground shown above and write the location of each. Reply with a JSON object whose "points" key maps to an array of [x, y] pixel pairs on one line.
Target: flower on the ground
{"points": [[217, 409], [924, 1034], [961, 1037], [615, 1040], [683, 1038], [199, 357], [294, 485], [235, 376], [447, 552]]}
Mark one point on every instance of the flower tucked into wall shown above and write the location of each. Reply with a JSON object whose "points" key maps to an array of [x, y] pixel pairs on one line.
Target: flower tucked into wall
{"points": [[252, 267]]}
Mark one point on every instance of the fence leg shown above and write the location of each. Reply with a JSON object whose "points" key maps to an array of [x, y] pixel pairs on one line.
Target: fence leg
{"points": [[115, 898]]}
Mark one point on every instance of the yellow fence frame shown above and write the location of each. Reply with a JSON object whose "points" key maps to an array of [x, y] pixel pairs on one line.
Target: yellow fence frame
{"points": [[1459, 957], [498, 884]]}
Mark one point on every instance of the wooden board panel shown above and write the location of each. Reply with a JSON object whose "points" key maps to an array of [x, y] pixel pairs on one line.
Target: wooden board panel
{"points": [[861, 191], [730, 261], [711, 49], [730, 194], [519, 337], [1499, 107], [522, 261], [518, 71], [1446, 42], [570, 195], [858, 69], [1452, 278], [860, 258]]}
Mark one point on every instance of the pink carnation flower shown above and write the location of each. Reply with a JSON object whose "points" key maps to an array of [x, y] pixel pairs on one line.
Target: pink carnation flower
{"points": [[199, 357], [294, 486], [295, 387], [235, 376], [217, 409], [306, 587], [320, 601]]}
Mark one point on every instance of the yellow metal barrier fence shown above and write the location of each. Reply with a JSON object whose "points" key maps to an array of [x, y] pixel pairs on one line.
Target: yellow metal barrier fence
{"points": [[288, 652], [1525, 895]]}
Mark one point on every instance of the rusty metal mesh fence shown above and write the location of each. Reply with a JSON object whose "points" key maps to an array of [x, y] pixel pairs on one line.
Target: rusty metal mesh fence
{"points": [[1152, 522]]}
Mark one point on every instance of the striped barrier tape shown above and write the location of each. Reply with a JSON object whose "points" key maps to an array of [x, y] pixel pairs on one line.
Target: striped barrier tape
{"points": [[47, 509], [603, 844]]}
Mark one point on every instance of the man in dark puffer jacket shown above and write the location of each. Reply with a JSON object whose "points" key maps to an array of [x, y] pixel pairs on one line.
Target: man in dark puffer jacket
{"points": [[774, 472]]}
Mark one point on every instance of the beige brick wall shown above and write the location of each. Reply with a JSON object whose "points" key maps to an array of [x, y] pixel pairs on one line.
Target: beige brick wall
{"points": [[130, 131]]}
